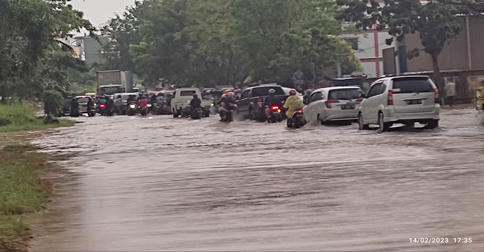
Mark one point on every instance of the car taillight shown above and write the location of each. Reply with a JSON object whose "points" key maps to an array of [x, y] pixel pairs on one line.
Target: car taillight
{"points": [[101, 106], [300, 111], [259, 103], [328, 103], [390, 97], [437, 95], [359, 99], [275, 108]]}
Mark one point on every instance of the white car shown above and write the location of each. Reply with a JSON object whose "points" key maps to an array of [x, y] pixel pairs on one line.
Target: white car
{"points": [[400, 99], [333, 104], [180, 103]]}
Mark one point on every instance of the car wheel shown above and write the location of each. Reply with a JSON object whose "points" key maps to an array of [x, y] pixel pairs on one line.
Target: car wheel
{"points": [[432, 124], [361, 124], [175, 114], [383, 126], [409, 125]]}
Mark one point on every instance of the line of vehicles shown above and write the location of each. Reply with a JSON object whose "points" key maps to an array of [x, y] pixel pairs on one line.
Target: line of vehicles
{"points": [[400, 99]]}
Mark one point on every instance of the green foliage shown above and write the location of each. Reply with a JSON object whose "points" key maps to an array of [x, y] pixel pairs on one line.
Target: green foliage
{"points": [[212, 42], [123, 31], [22, 117], [52, 100], [21, 192], [31, 59], [435, 22]]}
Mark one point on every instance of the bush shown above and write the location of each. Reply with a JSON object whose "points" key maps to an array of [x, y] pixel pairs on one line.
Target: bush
{"points": [[16, 114], [53, 100]]}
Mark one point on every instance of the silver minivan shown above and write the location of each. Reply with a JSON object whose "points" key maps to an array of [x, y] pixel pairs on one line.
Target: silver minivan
{"points": [[400, 99]]}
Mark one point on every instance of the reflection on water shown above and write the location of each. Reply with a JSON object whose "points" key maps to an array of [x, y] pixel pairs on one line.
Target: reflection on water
{"points": [[177, 184]]}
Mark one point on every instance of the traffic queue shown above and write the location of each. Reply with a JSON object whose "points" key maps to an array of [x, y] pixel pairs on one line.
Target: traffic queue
{"points": [[392, 100]]}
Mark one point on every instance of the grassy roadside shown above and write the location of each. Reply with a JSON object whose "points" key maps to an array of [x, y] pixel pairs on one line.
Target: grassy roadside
{"points": [[21, 192], [16, 117], [21, 189]]}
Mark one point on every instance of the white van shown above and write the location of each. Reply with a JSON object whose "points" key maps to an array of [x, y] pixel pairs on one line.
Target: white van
{"points": [[400, 99], [180, 103]]}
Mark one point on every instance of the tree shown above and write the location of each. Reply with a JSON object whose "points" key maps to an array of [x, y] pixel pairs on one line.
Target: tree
{"points": [[28, 30], [435, 22], [123, 31], [52, 100], [279, 37]]}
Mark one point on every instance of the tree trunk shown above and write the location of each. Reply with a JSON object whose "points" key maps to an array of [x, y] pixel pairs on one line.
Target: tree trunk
{"points": [[437, 76], [3, 94]]}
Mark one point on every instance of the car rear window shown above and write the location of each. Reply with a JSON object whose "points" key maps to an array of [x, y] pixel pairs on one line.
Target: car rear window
{"points": [[345, 94], [412, 85], [187, 93], [82, 100], [264, 91]]}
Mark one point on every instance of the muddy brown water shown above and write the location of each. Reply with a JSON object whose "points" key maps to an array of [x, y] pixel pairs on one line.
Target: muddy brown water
{"points": [[158, 183]]}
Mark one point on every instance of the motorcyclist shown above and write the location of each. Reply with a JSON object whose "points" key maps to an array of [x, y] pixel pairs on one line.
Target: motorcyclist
{"points": [[153, 99], [143, 102], [307, 93], [101, 100], [480, 95], [74, 105], [195, 103], [270, 101], [109, 105], [227, 104], [292, 104], [90, 105]]}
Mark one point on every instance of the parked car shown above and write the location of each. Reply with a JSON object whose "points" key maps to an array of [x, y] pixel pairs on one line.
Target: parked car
{"points": [[180, 103], [400, 99], [334, 104], [251, 103]]}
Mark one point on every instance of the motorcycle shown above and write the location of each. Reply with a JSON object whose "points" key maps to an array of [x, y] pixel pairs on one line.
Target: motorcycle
{"points": [[196, 113], [75, 112], [145, 110], [275, 114], [297, 120], [102, 109], [131, 109]]}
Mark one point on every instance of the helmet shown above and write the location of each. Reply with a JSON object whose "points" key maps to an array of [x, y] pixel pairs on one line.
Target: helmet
{"points": [[293, 92], [226, 92], [308, 92], [231, 94], [224, 95], [272, 91], [195, 96]]}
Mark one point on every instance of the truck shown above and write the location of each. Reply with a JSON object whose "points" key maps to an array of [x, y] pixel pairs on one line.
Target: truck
{"points": [[113, 81], [251, 102]]}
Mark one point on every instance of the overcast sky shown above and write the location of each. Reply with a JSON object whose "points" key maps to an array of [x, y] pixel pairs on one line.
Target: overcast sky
{"points": [[99, 11]]}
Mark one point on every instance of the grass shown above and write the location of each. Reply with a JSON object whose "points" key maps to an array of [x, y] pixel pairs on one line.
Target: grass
{"points": [[17, 117], [21, 189], [21, 192]]}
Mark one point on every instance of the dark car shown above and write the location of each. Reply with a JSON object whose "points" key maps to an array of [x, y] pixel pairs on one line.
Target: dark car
{"points": [[66, 109], [251, 104]]}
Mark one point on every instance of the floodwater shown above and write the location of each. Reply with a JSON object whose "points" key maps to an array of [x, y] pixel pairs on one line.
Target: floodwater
{"points": [[159, 183]]}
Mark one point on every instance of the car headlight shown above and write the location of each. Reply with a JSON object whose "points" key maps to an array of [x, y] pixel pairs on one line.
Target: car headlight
{"points": [[149, 105], [132, 106]]}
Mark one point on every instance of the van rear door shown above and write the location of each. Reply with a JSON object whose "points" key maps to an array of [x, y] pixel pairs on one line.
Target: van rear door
{"points": [[413, 94]]}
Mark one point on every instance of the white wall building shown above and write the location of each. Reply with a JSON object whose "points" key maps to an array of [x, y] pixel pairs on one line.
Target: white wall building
{"points": [[369, 47]]}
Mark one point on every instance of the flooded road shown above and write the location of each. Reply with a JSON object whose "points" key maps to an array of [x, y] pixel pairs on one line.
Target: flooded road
{"points": [[137, 184]]}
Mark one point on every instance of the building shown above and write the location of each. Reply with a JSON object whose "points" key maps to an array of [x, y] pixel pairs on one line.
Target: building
{"points": [[461, 60], [369, 48]]}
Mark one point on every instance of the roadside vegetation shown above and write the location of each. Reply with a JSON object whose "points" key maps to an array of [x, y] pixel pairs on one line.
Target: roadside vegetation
{"points": [[17, 117], [22, 192]]}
